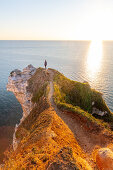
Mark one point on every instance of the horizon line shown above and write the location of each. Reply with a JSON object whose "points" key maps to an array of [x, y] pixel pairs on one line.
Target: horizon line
{"points": [[50, 40]]}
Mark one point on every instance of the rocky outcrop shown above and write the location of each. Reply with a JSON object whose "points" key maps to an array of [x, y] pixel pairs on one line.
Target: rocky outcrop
{"points": [[17, 83], [97, 111], [104, 159]]}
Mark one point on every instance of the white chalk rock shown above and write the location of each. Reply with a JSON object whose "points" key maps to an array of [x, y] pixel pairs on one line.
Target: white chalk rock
{"points": [[17, 83]]}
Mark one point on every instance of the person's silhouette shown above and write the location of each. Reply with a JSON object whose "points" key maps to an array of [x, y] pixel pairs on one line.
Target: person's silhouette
{"points": [[45, 64]]}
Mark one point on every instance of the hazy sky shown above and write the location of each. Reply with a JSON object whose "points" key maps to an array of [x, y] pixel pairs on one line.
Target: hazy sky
{"points": [[56, 19]]}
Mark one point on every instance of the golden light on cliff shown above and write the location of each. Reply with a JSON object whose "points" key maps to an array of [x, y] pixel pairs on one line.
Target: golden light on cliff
{"points": [[94, 57]]}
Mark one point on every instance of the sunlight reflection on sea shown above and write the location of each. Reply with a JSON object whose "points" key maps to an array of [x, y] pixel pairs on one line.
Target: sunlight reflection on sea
{"points": [[78, 60]]}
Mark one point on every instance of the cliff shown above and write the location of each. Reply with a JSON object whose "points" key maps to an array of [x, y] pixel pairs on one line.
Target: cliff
{"points": [[17, 83], [63, 122]]}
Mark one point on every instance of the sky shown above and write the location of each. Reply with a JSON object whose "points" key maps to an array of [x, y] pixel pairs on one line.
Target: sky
{"points": [[56, 19]]}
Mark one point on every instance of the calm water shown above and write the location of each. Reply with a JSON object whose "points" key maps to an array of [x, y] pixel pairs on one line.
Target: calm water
{"points": [[78, 60]]}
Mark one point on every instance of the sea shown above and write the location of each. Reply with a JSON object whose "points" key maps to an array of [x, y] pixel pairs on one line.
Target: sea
{"points": [[90, 61]]}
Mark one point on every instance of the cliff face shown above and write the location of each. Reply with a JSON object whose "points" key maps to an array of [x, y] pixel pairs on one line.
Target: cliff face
{"points": [[17, 83]]}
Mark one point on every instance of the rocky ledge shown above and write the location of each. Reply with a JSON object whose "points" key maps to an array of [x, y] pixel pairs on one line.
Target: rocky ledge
{"points": [[17, 83]]}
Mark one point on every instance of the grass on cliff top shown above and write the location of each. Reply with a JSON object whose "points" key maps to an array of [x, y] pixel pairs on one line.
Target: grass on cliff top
{"points": [[78, 97], [48, 141], [38, 85]]}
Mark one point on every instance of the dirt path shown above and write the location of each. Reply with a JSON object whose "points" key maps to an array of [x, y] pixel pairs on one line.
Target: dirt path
{"points": [[86, 140]]}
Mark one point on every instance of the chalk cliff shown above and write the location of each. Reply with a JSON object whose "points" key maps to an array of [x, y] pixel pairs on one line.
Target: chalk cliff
{"points": [[17, 83]]}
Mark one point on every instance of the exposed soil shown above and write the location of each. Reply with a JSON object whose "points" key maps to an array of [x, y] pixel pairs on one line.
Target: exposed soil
{"points": [[87, 139]]}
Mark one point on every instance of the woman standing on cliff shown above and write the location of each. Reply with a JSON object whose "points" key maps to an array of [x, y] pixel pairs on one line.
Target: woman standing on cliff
{"points": [[45, 64]]}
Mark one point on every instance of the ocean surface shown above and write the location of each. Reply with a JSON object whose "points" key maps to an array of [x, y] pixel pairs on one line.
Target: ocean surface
{"points": [[78, 60]]}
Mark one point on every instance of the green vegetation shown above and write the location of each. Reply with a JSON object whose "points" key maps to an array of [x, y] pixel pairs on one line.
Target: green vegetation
{"points": [[78, 97], [42, 91]]}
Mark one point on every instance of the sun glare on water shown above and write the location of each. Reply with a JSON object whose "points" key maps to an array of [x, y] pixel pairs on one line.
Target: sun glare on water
{"points": [[94, 57]]}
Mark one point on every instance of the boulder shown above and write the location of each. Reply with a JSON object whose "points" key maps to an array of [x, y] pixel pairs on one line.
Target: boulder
{"points": [[98, 112], [15, 73], [29, 69], [104, 159]]}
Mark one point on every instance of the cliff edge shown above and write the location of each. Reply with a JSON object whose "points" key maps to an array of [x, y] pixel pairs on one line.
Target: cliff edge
{"points": [[64, 122]]}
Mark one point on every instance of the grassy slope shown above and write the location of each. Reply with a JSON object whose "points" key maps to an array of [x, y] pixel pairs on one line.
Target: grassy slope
{"points": [[45, 140], [48, 140], [78, 97]]}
